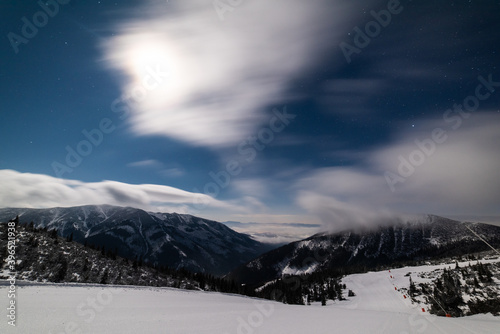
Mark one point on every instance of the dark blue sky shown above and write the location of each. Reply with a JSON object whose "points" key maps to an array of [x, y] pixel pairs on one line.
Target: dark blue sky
{"points": [[210, 78]]}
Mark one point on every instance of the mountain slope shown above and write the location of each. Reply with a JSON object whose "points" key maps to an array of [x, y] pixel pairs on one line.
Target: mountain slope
{"points": [[45, 257], [175, 240], [403, 242]]}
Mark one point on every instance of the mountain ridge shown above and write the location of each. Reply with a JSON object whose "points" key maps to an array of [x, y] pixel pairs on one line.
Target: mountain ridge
{"points": [[407, 241], [171, 239]]}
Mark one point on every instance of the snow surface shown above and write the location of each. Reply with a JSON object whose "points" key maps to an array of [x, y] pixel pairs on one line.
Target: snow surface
{"points": [[377, 308]]}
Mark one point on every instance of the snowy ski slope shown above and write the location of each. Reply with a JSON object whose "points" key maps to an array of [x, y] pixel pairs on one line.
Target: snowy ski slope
{"points": [[377, 308]]}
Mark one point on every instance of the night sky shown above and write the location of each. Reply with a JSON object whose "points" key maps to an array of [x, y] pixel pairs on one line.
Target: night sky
{"points": [[282, 113]]}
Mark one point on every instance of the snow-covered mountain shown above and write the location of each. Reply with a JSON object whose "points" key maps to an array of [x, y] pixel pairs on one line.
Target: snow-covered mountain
{"points": [[175, 240], [415, 239]]}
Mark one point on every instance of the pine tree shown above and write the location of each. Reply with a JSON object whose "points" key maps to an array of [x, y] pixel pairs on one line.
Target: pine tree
{"points": [[339, 291], [53, 234], [104, 278], [61, 270], [412, 289], [85, 265]]}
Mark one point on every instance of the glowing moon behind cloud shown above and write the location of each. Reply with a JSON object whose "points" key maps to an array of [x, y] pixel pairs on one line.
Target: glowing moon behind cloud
{"points": [[224, 79], [155, 54]]}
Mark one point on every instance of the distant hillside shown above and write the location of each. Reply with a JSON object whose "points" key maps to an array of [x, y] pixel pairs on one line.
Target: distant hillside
{"points": [[166, 239], [43, 256], [406, 242]]}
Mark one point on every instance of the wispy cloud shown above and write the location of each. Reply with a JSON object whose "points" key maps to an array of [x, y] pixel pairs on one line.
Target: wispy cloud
{"points": [[172, 172], [37, 191], [145, 163], [44, 191], [351, 96], [460, 178], [221, 75], [159, 167]]}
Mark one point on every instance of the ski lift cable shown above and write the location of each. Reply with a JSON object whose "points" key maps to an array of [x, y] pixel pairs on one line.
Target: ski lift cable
{"points": [[438, 302], [477, 235], [480, 238]]}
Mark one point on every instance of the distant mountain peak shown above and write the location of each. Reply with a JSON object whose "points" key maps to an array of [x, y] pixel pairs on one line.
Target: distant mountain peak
{"points": [[418, 238], [172, 239]]}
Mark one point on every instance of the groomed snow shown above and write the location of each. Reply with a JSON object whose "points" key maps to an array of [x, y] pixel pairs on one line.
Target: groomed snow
{"points": [[376, 308]]}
